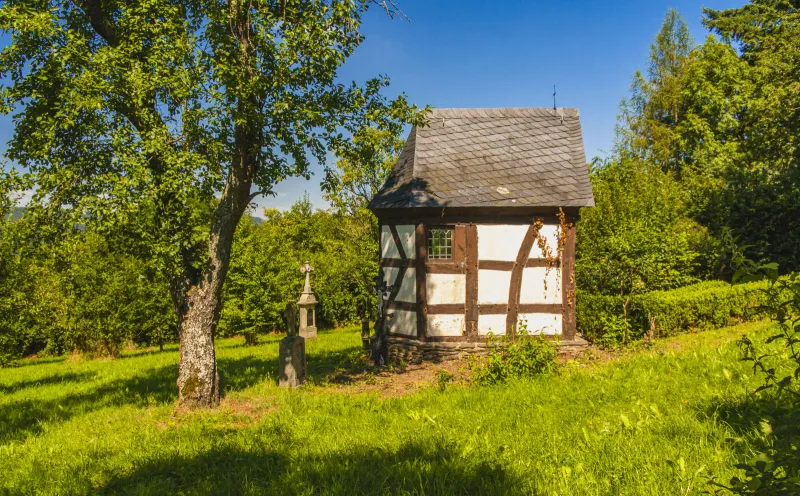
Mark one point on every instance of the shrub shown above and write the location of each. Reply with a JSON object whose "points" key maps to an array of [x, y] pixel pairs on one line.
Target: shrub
{"points": [[510, 357], [709, 304], [595, 311], [82, 296]]}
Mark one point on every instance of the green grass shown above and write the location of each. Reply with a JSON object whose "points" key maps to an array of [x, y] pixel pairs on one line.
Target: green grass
{"points": [[654, 421]]}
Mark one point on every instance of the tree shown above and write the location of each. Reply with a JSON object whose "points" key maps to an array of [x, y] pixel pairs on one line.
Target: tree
{"points": [[634, 243], [362, 169], [649, 115], [761, 200], [164, 119]]}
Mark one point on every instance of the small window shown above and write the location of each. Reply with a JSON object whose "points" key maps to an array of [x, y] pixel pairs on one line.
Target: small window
{"points": [[440, 243]]}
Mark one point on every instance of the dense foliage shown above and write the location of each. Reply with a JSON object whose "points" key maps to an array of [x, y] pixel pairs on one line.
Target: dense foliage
{"points": [[81, 296], [706, 165], [265, 273]]}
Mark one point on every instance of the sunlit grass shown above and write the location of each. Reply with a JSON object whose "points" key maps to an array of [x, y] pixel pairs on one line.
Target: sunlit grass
{"points": [[654, 421]]}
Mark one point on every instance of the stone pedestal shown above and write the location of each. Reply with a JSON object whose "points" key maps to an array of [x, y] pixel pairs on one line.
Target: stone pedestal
{"points": [[292, 361], [308, 328], [307, 304]]}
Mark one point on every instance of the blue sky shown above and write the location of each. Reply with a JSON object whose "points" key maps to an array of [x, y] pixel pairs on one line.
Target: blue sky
{"points": [[510, 53]]}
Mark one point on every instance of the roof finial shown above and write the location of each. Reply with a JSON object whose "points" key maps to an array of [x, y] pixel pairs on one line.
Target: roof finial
{"points": [[554, 97]]}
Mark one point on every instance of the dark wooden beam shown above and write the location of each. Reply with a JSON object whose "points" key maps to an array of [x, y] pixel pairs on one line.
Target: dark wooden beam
{"points": [[516, 278], [568, 329], [403, 305], [471, 266], [506, 265], [501, 308], [421, 245], [444, 268], [396, 237], [394, 262], [446, 308], [478, 215]]}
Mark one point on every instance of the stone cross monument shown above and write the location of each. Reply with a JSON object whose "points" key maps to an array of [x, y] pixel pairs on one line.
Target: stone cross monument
{"points": [[292, 353], [307, 302]]}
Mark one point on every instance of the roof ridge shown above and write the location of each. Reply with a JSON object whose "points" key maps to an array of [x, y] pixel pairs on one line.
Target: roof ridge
{"points": [[504, 112]]}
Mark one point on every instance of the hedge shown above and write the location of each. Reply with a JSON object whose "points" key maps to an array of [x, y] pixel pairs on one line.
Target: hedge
{"points": [[709, 304]]}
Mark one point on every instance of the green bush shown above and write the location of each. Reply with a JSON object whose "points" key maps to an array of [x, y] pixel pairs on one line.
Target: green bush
{"points": [[709, 304], [595, 311], [523, 355], [82, 296]]}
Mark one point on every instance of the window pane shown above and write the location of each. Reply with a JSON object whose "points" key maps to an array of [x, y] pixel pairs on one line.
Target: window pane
{"points": [[440, 243]]}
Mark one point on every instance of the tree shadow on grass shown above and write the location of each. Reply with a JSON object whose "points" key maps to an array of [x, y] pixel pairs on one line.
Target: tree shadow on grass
{"points": [[747, 416], [63, 379], [31, 361], [26, 416], [414, 468]]}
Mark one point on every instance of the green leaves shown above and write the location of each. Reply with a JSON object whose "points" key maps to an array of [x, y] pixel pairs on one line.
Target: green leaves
{"points": [[134, 117]]}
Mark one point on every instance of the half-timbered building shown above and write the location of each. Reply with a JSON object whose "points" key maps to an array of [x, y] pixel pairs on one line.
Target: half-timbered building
{"points": [[477, 231]]}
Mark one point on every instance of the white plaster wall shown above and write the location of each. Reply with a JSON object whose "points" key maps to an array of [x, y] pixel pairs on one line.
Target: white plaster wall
{"points": [[500, 242], [403, 322], [550, 232], [446, 325], [389, 248], [493, 286], [408, 290], [542, 323], [540, 285], [495, 323], [446, 288]]}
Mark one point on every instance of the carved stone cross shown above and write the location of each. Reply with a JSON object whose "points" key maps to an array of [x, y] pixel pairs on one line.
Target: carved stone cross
{"points": [[307, 269]]}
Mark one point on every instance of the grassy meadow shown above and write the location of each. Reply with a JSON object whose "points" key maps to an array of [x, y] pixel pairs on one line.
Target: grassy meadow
{"points": [[657, 420]]}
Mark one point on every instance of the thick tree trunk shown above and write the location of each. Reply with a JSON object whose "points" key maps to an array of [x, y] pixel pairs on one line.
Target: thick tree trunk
{"points": [[198, 379]]}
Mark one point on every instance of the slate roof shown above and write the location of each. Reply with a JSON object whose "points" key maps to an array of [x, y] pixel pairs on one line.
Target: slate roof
{"points": [[505, 157]]}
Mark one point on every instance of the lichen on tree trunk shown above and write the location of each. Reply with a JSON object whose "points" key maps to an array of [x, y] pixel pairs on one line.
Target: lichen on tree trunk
{"points": [[198, 379]]}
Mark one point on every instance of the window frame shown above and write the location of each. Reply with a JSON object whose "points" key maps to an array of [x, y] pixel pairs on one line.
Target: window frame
{"points": [[452, 257]]}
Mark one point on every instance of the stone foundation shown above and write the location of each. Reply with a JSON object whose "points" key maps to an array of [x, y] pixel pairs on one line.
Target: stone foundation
{"points": [[414, 351]]}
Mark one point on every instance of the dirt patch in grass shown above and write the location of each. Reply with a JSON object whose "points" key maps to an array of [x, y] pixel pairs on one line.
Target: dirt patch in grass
{"points": [[400, 381], [254, 408]]}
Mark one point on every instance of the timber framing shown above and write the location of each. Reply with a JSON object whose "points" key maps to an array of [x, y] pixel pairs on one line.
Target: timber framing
{"points": [[510, 184], [465, 262], [516, 279]]}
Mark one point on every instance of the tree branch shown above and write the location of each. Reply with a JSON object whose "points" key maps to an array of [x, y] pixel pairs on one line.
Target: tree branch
{"points": [[391, 8]]}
